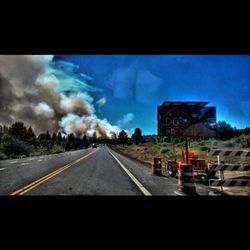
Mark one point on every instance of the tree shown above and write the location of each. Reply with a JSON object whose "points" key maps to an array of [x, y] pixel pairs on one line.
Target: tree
{"points": [[41, 137], [18, 130], [137, 136], [1, 133], [47, 136], [59, 139], [64, 142], [85, 141], [54, 138], [94, 137], [78, 143], [46, 140], [31, 137], [225, 131], [41, 140], [70, 142], [67, 145], [122, 137], [14, 146]]}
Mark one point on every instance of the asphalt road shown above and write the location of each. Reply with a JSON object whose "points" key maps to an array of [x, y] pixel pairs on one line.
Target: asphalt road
{"points": [[97, 174], [90, 171]]}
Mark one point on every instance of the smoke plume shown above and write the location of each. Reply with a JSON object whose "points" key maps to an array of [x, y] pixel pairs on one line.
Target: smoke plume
{"points": [[48, 95]]}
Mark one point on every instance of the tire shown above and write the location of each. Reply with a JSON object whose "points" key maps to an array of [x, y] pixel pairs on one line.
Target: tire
{"points": [[211, 174], [171, 171]]}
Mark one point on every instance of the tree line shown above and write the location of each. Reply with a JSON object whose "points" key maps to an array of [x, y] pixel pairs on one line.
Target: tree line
{"points": [[224, 131], [123, 137], [20, 140]]}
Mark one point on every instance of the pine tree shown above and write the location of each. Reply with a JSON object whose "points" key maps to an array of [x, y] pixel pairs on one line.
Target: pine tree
{"points": [[47, 136], [94, 137], [1, 133], [85, 141], [59, 139], [137, 136], [31, 137], [122, 137], [18, 130], [70, 142], [54, 138]]}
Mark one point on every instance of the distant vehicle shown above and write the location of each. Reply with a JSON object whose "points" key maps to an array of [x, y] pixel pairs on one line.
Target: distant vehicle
{"points": [[94, 145]]}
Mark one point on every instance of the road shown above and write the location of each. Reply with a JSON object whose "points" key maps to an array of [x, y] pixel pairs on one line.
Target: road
{"points": [[97, 171]]}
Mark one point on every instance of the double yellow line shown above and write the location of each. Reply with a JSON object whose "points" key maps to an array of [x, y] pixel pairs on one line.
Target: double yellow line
{"points": [[38, 182]]}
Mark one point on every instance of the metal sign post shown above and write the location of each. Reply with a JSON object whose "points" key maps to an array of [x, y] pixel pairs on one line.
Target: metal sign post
{"points": [[186, 146], [221, 176]]}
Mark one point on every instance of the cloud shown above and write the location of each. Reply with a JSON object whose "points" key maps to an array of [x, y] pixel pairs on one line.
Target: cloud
{"points": [[126, 120], [88, 125], [101, 101], [49, 95], [43, 109]]}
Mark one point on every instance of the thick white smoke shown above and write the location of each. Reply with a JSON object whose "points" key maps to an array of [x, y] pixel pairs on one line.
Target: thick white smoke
{"points": [[35, 91]]}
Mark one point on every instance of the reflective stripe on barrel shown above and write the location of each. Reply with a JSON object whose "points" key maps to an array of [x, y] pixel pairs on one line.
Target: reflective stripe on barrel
{"points": [[186, 178]]}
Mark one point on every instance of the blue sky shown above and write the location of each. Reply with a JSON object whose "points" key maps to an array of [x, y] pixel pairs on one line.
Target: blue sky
{"points": [[132, 86]]}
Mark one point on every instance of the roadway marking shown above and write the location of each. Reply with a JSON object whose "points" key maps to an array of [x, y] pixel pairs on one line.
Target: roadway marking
{"points": [[2, 169], [12, 162], [38, 182], [137, 183], [25, 163]]}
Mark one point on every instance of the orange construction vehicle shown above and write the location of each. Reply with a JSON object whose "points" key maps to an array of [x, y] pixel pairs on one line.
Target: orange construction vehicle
{"points": [[189, 156]]}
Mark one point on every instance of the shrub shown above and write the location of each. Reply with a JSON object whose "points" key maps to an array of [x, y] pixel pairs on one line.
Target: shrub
{"points": [[204, 148], [164, 150], [228, 144], [164, 145], [238, 140], [14, 146], [3, 156], [59, 151]]}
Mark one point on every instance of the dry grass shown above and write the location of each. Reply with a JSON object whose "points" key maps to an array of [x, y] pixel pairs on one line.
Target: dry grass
{"points": [[236, 191]]}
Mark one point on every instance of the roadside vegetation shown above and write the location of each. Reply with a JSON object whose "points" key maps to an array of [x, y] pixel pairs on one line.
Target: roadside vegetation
{"points": [[145, 147], [18, 141]]}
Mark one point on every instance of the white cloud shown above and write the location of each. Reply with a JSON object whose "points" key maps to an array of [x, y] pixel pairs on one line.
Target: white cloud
{"points": [[101, 101], [44, 109], [126, 119]]}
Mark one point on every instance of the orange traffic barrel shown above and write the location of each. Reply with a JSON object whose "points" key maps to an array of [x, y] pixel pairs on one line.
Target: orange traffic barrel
{"points": [[186, 178], [156, 166]]}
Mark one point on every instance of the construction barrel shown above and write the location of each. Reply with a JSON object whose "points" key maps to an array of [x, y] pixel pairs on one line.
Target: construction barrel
{"points": [[156, 166], [186, 178]]}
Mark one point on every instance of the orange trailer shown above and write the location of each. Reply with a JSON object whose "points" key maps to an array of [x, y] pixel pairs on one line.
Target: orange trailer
{"points": [[192, 158]]}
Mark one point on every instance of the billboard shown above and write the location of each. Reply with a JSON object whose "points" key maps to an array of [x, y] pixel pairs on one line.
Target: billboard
{"points": [[186, 119]]}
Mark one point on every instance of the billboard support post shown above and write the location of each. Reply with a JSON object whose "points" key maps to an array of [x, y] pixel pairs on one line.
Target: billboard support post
{"points": [[186, 146]]}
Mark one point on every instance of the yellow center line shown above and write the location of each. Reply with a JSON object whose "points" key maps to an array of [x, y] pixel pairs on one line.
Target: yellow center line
{"points": [[39, 181]]}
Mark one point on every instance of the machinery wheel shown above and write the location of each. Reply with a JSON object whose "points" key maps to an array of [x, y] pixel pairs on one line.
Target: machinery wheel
{"points": [[171, 171], [211, 174]]}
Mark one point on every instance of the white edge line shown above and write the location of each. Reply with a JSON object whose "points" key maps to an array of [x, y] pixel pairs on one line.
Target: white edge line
{"points": [[138, 184], [2, 169]]}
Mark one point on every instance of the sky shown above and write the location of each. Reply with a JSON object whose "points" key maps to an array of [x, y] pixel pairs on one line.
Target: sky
{"points": [[128, 88]]}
